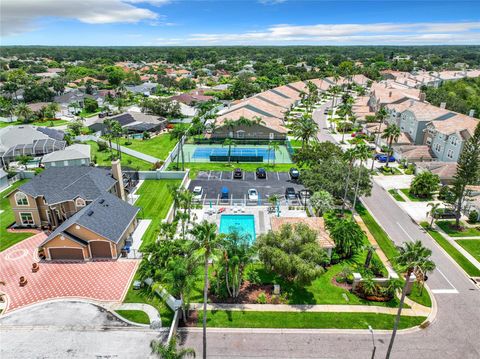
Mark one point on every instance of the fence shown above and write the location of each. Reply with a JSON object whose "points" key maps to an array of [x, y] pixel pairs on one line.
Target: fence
{"points": [[290, 149], [159, 174]]}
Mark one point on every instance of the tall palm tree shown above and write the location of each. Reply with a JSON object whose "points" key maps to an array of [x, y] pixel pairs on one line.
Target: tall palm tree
{"points": [[228, 142], [207, 240], [170, 351], [350, 156], [117, 133], [53, 108], [380, 116], [179, 132], [275, 147], [362, 153], [412, 257], [391, 134], [335, 90], [109, 133], [433, 211], [305, 128]]}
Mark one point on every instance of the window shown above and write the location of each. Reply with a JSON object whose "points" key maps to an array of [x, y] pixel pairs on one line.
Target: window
{"points": [[53, 164], [429, 141], [271, 135], [27, 219], [79, 202], [65, 163], [240, 134], [21, 199], [454, 141], [450, 154], [82, 161], [438, 147]]}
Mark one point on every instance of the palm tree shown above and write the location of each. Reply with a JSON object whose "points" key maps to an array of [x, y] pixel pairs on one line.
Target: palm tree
{"points": [[206, 239], [53, 108], [350, 156], [109, 133], [305, 129], [391, 134], [380, 116], [335, 90], [24, 112], [275, 147], [170, 351], [229, 142], [117, 133], [179, 132], [362, 153], [412, 257], [433, 211], [370, 249]]}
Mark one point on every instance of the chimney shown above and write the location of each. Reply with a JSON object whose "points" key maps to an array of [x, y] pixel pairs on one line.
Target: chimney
{"points": [[390, 94], [443, 105], [117, 174], [471, 113], [422, 96]]}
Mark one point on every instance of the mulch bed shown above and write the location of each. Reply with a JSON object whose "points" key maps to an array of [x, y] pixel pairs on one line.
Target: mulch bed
{"points": [[344, 285], [249, 293]]}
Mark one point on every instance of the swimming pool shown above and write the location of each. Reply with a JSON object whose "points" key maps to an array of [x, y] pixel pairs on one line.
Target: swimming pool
{"points": [[206, 152], [243, 223]]}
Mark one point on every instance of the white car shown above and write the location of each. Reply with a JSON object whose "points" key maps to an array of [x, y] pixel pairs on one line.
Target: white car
{"points": [[197, 193], [252, 194]]}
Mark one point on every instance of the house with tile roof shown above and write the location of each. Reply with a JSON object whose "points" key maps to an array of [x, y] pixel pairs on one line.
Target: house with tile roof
{"points": [[84, 207]]}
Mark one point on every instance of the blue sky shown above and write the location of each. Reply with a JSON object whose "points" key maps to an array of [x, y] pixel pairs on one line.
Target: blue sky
{"points": [[238, 22]]}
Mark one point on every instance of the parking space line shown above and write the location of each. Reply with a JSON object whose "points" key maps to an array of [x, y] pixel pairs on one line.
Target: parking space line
{"points": [[221, 173], [278, 176], [209, 174], [266, 176]]}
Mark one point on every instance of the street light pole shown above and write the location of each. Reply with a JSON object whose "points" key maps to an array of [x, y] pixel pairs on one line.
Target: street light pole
{"points": [[370, 329]]}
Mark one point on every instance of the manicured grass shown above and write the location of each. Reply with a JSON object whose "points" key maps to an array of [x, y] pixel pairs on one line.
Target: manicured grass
{"points": [[240, 319], [46, 123], [196, 167], [414, 198], [155, 201], [86, 114], [136, 316], [395, 171], [453, 252], [420, 296], [7, 218], [296, 143], [472, 246], [389, 249], [103, 158], [158, 146], [448, 228], [149, 297], [396, 195]]}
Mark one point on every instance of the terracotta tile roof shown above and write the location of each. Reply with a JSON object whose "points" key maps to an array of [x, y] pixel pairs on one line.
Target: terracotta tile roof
{"points": [[315, 223], [444, 170], [461, 124], [271, 122], [280, 100], [423, 111], [413, 152]]}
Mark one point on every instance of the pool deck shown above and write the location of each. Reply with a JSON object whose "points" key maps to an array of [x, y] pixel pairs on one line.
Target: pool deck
{"points": [[260, 214]]}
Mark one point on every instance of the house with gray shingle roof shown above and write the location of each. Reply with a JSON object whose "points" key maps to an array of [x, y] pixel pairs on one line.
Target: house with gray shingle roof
{"points": [[74, 155], [85, 208]]}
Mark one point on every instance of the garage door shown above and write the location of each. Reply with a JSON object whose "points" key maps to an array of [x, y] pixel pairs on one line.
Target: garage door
{"points": [[100, 249], [66, 253]]}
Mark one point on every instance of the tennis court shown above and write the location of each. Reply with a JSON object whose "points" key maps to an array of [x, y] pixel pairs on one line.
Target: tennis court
{"points": [[202, 153]]}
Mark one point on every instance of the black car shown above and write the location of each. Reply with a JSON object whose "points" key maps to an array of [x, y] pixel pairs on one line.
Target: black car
{"points": [[237, 173], [325, 112], [294, 173], [290, 193], [261, 173]]}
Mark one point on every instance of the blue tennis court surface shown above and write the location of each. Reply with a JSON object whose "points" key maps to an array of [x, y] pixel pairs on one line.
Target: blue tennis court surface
{"points": [[206, 152]]}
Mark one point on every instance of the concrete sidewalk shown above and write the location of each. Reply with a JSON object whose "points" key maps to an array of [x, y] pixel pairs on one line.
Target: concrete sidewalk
{"points": [[457, 246], [152, 312]]}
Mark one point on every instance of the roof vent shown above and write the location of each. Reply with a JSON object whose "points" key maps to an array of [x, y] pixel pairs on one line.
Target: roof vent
{"points": [[101, 201], [89, 213]]}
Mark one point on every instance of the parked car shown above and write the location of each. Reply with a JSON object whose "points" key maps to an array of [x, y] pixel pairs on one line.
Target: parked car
{"points": [[261, 173], [252, 194], [326, 111], [304, 194], [358, 134], [290, 193], [294, 173], [237, 173], [383, 158], [197, 193]]}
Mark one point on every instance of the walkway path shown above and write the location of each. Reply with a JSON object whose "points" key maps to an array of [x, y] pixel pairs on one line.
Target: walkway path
{"points": [[123, 149], [152, 312], [457, 246], [418, 310]]}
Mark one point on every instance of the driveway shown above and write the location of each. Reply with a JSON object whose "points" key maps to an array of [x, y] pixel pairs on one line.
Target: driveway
{"points": [[100, 281], [213, 181]]}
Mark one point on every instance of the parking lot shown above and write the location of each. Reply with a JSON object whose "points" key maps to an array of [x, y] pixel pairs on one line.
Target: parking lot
{"points": [[212, 183]]}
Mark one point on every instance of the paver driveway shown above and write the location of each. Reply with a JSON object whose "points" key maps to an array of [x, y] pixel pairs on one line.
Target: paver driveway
{"points": [[101, 281]]}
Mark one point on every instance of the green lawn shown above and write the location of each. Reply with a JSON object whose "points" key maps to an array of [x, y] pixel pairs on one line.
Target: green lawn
{"points": [[136, 316], [390, 250], [148, 297], [394, 171], [158, 146], [396, 195], [7, 218], [448, 228], [86, 114], [413, 198], [296, 143], [196, 167], [155, 201], [472, 246], [453, 252], [46, 123], [240, 319], [103, 158]]}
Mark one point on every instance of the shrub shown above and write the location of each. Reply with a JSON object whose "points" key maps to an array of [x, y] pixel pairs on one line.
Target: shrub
{"points": [[102, 146], [253, 277], [262, 298], [473, 216], [424, 184]]}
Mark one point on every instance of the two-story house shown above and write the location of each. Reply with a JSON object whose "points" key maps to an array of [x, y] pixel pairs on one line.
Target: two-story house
{"points": [[84, 206], [447, 137]]}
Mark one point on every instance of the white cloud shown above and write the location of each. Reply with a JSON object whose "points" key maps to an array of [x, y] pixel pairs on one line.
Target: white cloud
{"points": [[337, 34], [19, 16]]}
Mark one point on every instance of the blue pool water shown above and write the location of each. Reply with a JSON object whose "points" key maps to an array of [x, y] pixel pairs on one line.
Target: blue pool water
{"points": [[243, 223], [206, 152]]}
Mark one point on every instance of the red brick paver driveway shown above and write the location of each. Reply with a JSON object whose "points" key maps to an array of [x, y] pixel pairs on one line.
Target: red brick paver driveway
{"points": [[101, 281]]}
